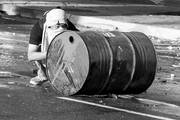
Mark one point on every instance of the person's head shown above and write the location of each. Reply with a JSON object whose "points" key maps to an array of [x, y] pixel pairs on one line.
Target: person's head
{"points": [[56, 18], [55, 22]]}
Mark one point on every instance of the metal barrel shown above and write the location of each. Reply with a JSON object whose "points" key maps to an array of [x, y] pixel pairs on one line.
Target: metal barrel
{"points": [[92, 62]]}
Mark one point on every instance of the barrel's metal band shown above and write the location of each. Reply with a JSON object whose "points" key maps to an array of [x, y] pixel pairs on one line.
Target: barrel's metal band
{"points": [[134, 63], [111, 64]]}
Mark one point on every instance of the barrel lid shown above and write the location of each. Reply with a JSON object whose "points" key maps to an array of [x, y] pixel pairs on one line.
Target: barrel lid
{"points": [[67, 63]]}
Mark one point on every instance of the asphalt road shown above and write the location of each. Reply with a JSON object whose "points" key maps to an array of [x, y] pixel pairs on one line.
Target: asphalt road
{"points": [[21, 101]]}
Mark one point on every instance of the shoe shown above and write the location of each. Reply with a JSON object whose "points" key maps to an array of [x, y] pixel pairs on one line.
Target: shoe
{"points": [[36, 81]]}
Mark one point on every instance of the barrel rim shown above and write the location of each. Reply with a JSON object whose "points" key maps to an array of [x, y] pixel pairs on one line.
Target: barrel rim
{"points": [[46, 61]]}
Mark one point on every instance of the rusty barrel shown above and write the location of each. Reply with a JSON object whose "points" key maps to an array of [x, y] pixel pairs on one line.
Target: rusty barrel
{"points": [[92, 62]]}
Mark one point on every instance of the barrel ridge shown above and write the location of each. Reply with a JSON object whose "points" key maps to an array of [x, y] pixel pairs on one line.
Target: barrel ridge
{"points": [[99, 62], [123, 62], [145, 62]]}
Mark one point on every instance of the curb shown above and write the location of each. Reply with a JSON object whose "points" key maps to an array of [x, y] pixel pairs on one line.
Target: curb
{"points": [[99, 23], [111, 25], [95, 22], [107, 24], [67, 4]]}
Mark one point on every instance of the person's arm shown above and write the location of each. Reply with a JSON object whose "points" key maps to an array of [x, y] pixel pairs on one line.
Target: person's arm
{"points": [[34, 54], [34, 42], [71, 26]]}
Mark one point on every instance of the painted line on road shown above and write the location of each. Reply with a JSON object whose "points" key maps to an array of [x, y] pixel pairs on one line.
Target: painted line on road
{"points": [[148, 100], [114, 108], [157, 102]]}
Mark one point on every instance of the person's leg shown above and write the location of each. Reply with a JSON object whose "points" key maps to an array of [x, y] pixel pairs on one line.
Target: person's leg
{"points": [[41, 73], [41, 70]]}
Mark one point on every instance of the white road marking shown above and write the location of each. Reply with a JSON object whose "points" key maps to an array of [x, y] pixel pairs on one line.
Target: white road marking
{"points": [[117, 109], [148, 101], [157, 102]]}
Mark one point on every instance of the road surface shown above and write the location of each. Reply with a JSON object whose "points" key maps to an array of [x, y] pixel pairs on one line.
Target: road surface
{"points": [[21, 101]]}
